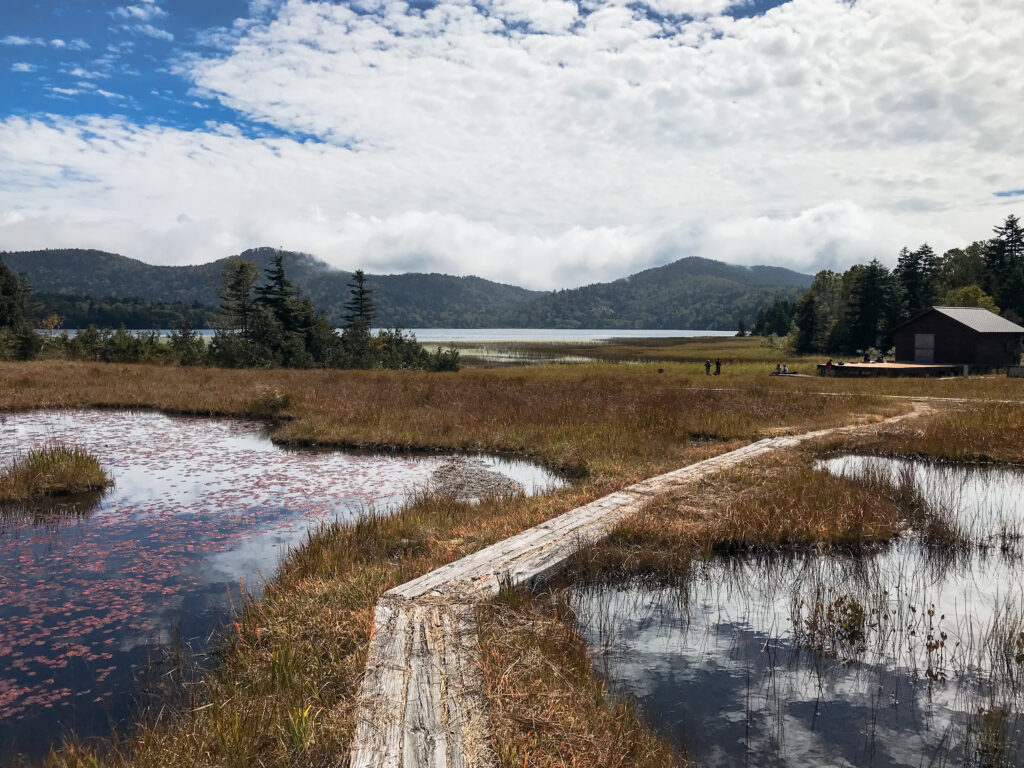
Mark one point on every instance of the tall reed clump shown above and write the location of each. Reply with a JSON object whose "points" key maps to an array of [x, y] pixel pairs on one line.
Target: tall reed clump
{"points": [[52, 470]]}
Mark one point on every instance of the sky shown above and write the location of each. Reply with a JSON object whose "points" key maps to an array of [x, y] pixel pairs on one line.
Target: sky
{"points": [[546, 143]]}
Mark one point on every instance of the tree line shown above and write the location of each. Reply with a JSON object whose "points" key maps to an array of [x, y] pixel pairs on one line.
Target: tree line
{"points": [[266, 324], [855, 311]]}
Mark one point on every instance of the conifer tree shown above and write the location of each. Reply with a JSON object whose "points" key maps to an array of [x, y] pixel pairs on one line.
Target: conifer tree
{"points": [[359, 308], [236, 300], [278, 294]]}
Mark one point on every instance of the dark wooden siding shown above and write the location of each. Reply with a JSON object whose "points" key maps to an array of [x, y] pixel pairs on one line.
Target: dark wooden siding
{"points": [[956, 344]]}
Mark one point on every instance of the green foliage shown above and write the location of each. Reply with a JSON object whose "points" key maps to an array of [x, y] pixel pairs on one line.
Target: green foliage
{"points": [[283, 328], [81, 312], [856, 311], [970, 296]]}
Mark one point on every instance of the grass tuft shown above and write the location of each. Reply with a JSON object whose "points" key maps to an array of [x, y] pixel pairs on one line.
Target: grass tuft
{"points": [[52, 470]]}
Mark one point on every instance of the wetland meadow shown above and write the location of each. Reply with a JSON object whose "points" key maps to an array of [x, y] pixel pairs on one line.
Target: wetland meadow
{"points": [[213, 606]]}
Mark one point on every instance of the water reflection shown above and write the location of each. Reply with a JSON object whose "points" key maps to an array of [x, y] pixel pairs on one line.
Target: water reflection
{"points": [[899, 657], [200, 510]]}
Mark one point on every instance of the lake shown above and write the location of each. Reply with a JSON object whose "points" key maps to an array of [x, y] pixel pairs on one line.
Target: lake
{"points": [[445, 335], [92, 590]]}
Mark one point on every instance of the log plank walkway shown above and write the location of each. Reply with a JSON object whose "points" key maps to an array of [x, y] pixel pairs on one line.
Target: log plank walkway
{"points": [[421, 702]]}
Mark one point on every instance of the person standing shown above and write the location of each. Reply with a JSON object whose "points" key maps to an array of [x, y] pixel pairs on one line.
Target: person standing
{"points": [[707, 367], [718, 365]]}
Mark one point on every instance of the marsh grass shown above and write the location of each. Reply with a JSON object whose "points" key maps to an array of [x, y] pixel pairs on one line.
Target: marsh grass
{"points": [[782, 502], [982, 432], [547, 709], [626, 421], [51, 470], [284, 689]]}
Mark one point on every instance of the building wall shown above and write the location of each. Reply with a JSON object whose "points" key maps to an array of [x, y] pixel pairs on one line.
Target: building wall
{"points": [[956, 344]]}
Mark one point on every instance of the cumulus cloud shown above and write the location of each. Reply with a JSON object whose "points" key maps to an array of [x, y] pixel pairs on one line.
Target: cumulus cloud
{"points": [[23, 66], [551, 143]]}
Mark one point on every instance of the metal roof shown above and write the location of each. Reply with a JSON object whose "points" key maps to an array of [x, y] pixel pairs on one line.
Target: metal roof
{"points": [[980, 319]]}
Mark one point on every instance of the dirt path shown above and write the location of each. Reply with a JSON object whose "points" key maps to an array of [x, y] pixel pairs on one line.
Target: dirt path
{"points": [[421, 703]]}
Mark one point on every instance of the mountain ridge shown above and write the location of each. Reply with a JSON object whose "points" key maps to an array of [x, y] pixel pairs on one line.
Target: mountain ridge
{"points": [[691, 292]]}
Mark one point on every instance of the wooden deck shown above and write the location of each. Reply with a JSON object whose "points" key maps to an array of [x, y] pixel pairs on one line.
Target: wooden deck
{"points": [[891, 369], [421, 703]]}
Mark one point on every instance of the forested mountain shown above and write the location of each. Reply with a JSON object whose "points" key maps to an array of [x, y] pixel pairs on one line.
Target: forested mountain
{"points": [[689, 293], [410, 301]]}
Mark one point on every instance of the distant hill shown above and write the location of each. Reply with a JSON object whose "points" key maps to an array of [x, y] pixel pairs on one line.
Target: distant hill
{"points": [[409, 300], [690, 293]]}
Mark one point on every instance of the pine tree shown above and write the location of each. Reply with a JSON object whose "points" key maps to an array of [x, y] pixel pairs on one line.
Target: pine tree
{"points": [[359, 308], [278, 294], [236, 300]]}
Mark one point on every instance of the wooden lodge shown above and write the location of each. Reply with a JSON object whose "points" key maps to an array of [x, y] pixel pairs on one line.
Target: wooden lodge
{"points": [[947, 341], [969, 336]]}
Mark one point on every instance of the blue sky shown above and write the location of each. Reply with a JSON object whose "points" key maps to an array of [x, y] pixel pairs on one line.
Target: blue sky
{"points": [[71, 57], [541, 142]]}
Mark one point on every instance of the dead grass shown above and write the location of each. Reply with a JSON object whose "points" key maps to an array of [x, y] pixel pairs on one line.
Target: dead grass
{"points": [[51, 470], [778, 502], [977, 432], [599, 419], [547, 709]]}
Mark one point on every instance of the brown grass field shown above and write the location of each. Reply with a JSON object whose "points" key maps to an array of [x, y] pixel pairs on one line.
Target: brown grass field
{"points": [[283, 692]]}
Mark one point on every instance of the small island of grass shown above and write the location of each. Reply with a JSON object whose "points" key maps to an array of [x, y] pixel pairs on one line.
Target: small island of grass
{"points": [[52, 470]]}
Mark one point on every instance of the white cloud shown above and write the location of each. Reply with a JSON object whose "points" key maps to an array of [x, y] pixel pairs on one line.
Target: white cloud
{"points": [[144, 11], [523, 141], [23, 66], [150, 31], [74, 45], [21, 41]]}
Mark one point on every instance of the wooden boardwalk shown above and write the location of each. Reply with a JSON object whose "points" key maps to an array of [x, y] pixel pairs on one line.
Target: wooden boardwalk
{"points": [[421, 704]]}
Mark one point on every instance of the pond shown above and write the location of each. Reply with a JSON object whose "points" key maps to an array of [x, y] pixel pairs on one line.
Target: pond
{"points": [[907, 655], [92, 590]]}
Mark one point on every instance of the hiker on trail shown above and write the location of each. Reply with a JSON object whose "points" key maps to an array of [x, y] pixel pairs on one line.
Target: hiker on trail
{"points": [[718, 366], [828, 366], [707, 367]]}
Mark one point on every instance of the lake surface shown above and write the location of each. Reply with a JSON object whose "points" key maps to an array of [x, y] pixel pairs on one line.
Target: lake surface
{"points": [[446, 335], [906, 656], [201, 510]]}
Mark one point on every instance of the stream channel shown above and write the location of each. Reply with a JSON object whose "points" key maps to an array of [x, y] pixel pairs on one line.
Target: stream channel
{"points": [[908, 655], [93, 591]]}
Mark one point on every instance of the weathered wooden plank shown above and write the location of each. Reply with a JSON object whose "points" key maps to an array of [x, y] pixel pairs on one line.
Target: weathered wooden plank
{"points": [[425, 742], [381, 718]]}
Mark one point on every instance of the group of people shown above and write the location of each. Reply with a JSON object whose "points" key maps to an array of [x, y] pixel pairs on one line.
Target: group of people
{"points": [[781, 369], [718, 366]]}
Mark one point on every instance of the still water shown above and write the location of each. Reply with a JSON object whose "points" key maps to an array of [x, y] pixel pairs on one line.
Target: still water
{"points": [[906, 656], [446, 335], [202, 509]]}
